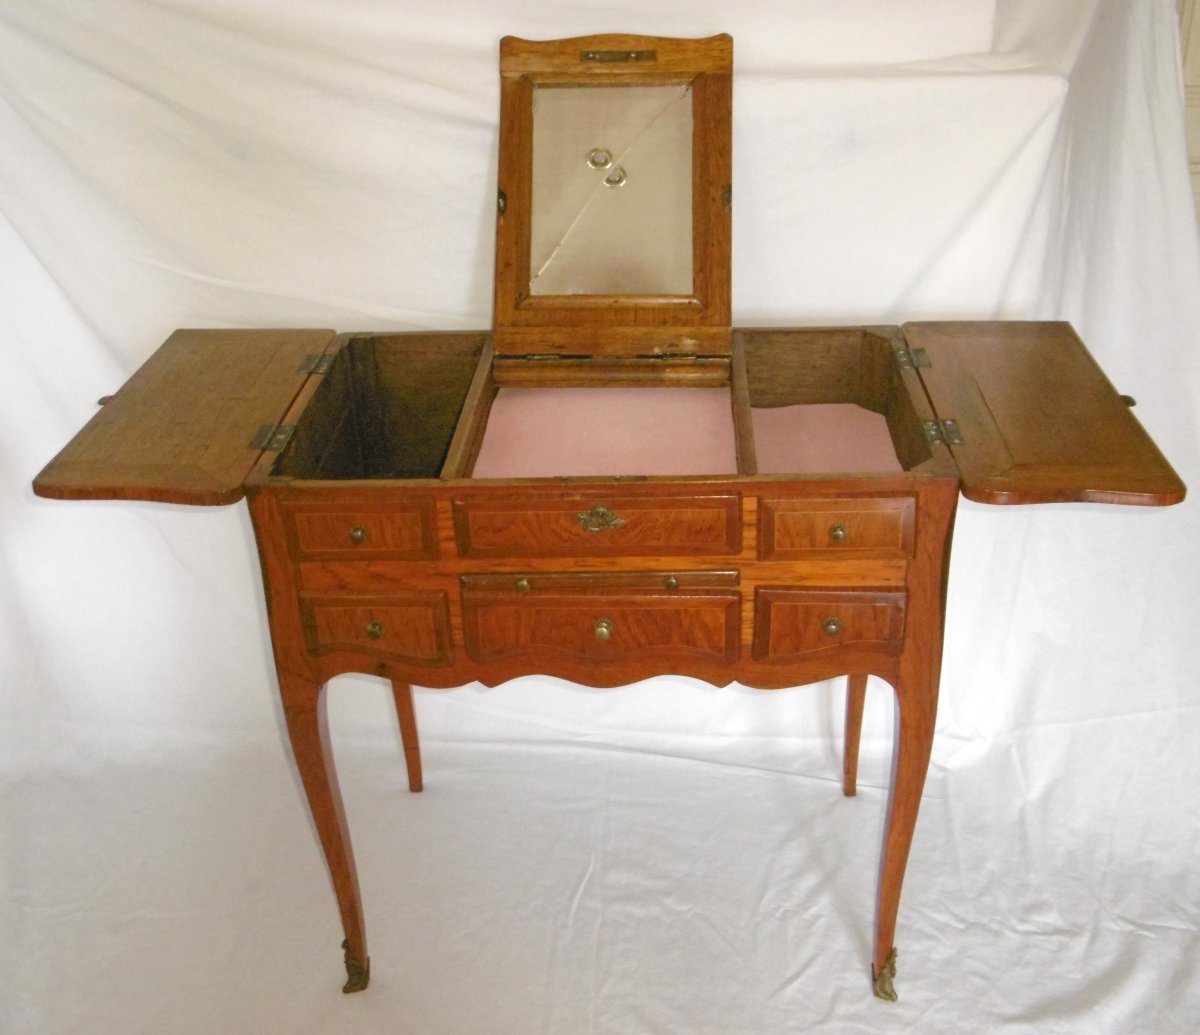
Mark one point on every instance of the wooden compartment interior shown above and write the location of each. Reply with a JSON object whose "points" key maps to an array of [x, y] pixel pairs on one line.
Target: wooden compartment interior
{"points": [[828, 400], [424, 406], [387, 408]]}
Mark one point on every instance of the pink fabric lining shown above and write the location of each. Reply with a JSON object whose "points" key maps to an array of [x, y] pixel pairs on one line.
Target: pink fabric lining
{"points": [[551, 432], [547, 432], [823, 438]]}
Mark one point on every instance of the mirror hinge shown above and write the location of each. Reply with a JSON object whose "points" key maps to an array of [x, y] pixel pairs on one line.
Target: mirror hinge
{"points": [[545, 357]]}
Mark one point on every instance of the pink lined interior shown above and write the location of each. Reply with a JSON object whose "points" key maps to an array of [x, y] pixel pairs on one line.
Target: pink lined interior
{"points": [[545, 432], [608, 432], [823, 438]]}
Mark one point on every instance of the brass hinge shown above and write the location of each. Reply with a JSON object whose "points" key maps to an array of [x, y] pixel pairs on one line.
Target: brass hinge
{"points": [[947, 432], [545, 357], [272, 436], [907, 359], [315, 365]]}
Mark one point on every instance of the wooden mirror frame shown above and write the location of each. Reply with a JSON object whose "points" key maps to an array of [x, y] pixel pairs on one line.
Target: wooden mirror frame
{"points": [[616, 325]]}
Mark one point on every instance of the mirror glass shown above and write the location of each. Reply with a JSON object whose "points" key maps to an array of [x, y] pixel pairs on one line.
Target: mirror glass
{"points": [[612, 190]]}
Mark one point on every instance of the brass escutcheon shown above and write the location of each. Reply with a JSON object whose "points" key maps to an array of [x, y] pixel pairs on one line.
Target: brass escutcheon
{"points": [[599, 518], [374, 629], [839, 533], [832, 625], [603, 629], [358, 535]]}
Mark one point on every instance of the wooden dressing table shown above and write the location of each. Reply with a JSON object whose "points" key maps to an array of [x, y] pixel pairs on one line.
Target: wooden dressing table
{"points": [[767, 506]]}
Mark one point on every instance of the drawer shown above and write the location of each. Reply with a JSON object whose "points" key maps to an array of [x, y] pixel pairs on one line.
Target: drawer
{"points": [[794, 623], [413, 627], [598, 526], [578, 618], [866, 528], [404, 530]]}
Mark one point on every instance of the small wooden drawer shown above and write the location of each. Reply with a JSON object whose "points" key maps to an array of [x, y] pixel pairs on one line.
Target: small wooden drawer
{"points": [[414, 627], [793, 623], [599, 526], [404, 531], [866, 528], [597, 619]]}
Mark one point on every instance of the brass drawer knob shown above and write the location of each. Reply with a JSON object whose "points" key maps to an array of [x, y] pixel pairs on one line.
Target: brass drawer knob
{"points": [[599, 519], [358, 535], [522, 585], [603, 629], [671, 582], [832, 626], [839, 533], [374, 629]]}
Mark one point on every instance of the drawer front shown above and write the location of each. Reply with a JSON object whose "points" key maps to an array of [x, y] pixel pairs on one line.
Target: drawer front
{"points": [[405, 531], [866, 528], [601, 624], [792, 623], [412, 628], [597, 526]]}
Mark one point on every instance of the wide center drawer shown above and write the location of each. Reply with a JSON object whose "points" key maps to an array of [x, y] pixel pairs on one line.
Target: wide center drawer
{"points": [[598, 526], [600, 620]]}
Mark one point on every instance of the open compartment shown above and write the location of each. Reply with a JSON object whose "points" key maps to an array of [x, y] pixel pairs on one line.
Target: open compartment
{"points": [[796, 402], [386, 408]]}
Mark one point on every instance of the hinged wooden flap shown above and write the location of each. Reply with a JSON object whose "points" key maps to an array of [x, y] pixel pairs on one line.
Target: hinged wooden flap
{"points": [[180, 429], [1034, 418]]}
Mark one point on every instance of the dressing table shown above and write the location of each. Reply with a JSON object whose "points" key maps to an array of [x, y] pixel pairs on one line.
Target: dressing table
{"points": [[613, 482]]}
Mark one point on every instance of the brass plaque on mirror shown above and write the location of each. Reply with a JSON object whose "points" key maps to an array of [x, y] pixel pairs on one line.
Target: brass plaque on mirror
{"points": [[612, 189]]}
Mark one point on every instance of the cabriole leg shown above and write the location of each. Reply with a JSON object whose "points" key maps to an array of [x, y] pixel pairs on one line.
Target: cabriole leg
{"points": [[916, 704], [308, 730], [408, 734]]}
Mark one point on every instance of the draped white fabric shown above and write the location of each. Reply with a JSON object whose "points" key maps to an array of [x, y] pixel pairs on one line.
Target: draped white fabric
{"points": [[668, 857]]}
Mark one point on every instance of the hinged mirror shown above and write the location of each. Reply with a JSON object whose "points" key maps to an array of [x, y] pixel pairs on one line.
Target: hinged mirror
{"points": [[614, 216]]}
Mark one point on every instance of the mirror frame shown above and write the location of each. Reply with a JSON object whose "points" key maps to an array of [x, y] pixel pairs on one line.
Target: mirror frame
{"points": [[625, 324]]}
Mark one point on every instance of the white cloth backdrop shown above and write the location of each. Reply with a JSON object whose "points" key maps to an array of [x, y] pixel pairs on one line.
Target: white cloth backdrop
{"points": [[668, 857]]}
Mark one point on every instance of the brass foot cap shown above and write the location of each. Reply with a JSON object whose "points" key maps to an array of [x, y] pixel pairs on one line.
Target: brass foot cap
{"points": [[884, 987], [358, 975]]}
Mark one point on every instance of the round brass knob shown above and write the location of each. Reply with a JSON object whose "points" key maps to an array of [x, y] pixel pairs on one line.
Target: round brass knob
{"points": [[671, 582], [374, 629], [839, 533], [832, 626], [522, 585], [358, 535], [603, 629]]}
